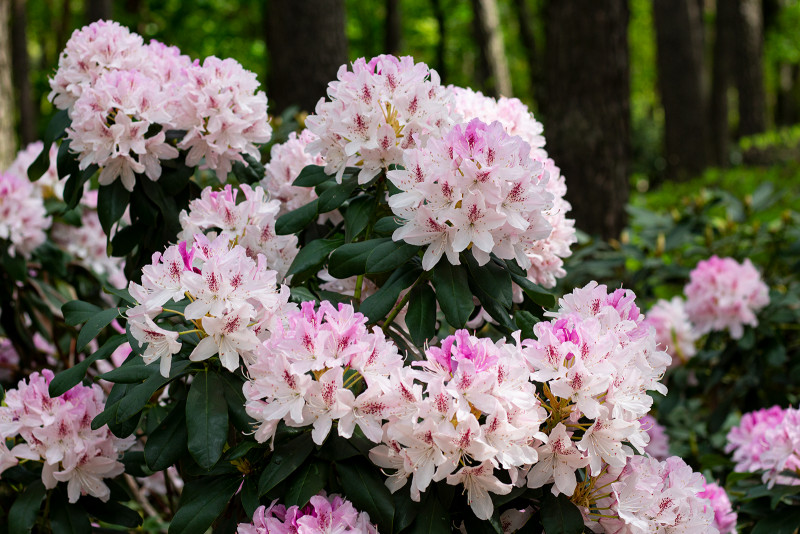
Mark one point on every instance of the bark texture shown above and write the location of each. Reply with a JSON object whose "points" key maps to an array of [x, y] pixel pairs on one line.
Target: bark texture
{"points": [[525, 19], [720, 81], [7, 137], [21, 73], [489, 36], [98, 10], [750, 67], [393, 31]]}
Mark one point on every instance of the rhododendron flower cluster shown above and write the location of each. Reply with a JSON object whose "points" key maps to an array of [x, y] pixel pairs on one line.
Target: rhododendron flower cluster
{"points": [[377, 111], [57, 431], [767, 440], [651, 496], [235, 301], [674, 332], [476, 189], [476, 411], [724, 516], [123, 96], [23, 218], [724, 294], [286, 161], [250, 223], [9, 359], [308, 373], [321, 514], [49, 185], [546, 255], [658, 444]]}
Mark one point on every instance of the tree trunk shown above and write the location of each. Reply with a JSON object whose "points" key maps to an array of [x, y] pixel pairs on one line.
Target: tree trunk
{"points": [[680, 75], [489, 37], [720, 81], [98, 10], [526, 35], [441, 45], [587, 113], [21, 64], [307, 45], [7, 137], [750, 67], [393, 28], [786, 104]]}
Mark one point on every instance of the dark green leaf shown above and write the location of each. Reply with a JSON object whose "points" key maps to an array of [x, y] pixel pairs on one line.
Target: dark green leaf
{"points": [[312, 256], [390, 255], [202, 500], [294, 221], [68, 378], [351, 259], [525, 321], [285, 460], [249, 171], [66, 518], [232, 389], [405, 510], [387, 225], [335, 196], [112, 512], [56, 128], [25, 509], [249, 497], [784, 521], [206, 418], [167, 443], [132, 371], [357, 217], [77, 312], [380, 303], [125, 239], [493, 279], [112, 200], [95, 325], [560, 516], [311, 175], [305, 483], [136, 399], [453, 293], [433, 517], [121, 293], [496, 310], [421, 315], [366, 489], [301, 294], [536, 293]]}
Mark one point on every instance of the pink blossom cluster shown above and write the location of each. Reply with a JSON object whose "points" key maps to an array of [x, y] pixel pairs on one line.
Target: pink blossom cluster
{"points": [[725, 294], [658, 444], [472, 411], [249, 223], [674, 331], [286, 161], [475, 189], [235, 302], [57, 431], [767, 440], [123, 96], [597, 360], [650, 496], [9, 359], [375, 112], [23, 218], [724, 516], [322, 514], [546, 255], [309, 371], [48, 184]]}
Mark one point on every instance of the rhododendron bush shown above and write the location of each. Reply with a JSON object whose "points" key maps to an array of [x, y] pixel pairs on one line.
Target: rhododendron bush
{"points": [[362, 335]]}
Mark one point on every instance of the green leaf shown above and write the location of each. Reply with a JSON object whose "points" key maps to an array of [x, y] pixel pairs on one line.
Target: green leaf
{"points": [[366, 489], [126, 239], [784, 521], [380, 303], [111, 512], [311, 175], [112, 200], [66, 518], [421, 315], [121, 293], [301, 294], [307, 481], [536, 293], [249, 171], [405, 510], [136, 399], [167, 443], [77, 312], [351, 259], [296, 220], [453, 293], [433, 517], [387, 225], [202, 501], [493, 279], [560, 516], [249, 497], [496, 310], [312, 256], [25, 509], [68, 378], [206, 418], [56, 129], [357, 217], [390, 255], [232, 389], [335, 196], [285, 460], [95, 325], [73, 188], [525, 321], [132, 371]]}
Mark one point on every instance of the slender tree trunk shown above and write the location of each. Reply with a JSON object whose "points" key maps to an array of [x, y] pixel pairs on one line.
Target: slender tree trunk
{"points": [[307, 44], [680, 66], [525, 18], [587, 112], [21, 64], [393, 28], [720, 81], [786, 105], [7, 137], [62, 30], [441, 45], [489, 36], [750, 68], [98, 10]]}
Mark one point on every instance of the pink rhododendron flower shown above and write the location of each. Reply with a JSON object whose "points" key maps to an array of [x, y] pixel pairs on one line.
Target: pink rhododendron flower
{"points": [[724, 294], [9, 359], [321, 515], [674, 332], [658, 447], [286, 161], [724, 516], [23, 218]]}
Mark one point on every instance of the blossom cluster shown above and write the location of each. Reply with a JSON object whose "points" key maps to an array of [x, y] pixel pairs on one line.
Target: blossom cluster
{"points": [[235, 301], [724, 517], [478, 189], [768, 440], [725, 294], [375, 112], [9, 359], [321, 514], [674, 332], [57, 431], [123, 96], [651, 496], [250, 223], [308, 372], [23, 218], [48, 184], [286, 161], [658, 442], [475, 411]]}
